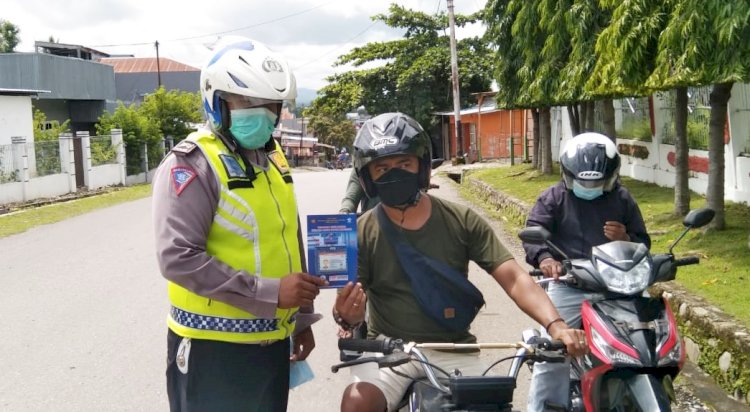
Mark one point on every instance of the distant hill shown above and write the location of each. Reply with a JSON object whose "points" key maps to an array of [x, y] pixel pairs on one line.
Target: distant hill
{"points": [[305, 96]]}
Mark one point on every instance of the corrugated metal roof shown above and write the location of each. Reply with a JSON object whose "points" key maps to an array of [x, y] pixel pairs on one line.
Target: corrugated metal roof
{"points": [[146, 65], [21, 92]]}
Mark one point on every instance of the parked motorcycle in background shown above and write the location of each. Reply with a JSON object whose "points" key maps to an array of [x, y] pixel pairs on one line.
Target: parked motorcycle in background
{"points": [[635, 348]]}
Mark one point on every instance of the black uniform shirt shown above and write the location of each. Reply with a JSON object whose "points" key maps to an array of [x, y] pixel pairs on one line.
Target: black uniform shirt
{"points": [[577, 225]]}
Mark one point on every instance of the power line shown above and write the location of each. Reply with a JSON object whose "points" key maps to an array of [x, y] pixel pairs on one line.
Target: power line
{"points": [[225, 31], [337, 47]]}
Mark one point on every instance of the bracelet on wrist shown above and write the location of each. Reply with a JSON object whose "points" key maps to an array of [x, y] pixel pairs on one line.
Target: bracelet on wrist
{"points": [[552, 322], [344, 324]]}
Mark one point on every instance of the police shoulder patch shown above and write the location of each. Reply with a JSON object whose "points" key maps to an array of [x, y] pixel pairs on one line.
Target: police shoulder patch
{"points": [[280, 161], [184, 147], [232, 166], [181, 177]]}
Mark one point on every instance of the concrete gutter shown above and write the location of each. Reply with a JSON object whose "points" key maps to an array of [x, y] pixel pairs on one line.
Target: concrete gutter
{"points": [[715, 342]]}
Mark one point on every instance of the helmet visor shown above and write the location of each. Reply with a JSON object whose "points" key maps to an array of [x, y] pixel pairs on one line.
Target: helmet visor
{"points": [[590, 184], [238, 101]]}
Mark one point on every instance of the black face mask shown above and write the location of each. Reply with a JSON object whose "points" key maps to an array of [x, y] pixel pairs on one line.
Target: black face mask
{"points": [[398, 187]]}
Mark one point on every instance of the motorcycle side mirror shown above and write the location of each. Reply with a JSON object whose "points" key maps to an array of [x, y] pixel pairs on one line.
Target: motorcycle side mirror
{"points": [[698, 217], [538, 235], [436, 163]]}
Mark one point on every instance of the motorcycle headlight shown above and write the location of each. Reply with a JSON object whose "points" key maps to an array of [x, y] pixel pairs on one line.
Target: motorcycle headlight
{"points": [[673, 356], [627, 282], [614, 355]]}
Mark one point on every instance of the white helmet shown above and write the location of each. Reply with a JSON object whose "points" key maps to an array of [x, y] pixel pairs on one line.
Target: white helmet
{"points": [[247, 68]]}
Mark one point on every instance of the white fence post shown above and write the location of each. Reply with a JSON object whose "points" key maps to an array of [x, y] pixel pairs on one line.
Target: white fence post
{"points": [[86, 151], [21, 162], [68, 159], [145, 161], [118, 144]]}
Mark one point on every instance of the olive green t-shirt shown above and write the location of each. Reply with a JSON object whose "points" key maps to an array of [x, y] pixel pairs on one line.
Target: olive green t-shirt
{"points": [[454, 234]]}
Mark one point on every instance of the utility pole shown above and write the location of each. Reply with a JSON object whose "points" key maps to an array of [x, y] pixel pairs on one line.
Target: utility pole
{"points": [[158, 68], [301, 138], [454, 78]]}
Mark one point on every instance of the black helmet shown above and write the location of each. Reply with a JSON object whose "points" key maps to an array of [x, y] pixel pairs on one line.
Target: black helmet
{"points": [[591, 159], [391, 134]]}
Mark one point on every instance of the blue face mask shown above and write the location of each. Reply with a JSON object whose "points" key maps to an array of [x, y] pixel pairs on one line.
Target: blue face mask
{"points": [[252, 127], [587, 193]]}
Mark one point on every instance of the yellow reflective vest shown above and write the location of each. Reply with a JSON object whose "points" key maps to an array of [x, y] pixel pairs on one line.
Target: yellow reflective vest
{"points": [[254, 230]]}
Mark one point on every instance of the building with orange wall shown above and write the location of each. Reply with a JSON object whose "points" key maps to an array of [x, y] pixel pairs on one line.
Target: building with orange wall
{"points": [[487, 131]]}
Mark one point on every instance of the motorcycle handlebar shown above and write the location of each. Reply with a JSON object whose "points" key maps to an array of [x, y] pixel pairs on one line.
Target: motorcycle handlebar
{"points": [[690, 260], [385, 346], [552, 345], [536, 273]]}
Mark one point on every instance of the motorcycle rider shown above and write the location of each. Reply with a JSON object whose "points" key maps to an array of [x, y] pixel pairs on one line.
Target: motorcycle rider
{"points": [[586, 208], [392, 156]]}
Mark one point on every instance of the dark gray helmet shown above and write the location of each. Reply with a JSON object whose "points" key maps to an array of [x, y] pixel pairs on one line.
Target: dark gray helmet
{"points": [[591, 159], [391, 134]]}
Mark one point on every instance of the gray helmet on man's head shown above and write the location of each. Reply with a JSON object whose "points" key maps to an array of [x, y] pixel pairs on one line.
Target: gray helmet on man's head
{"points": [[591, 159], [391, 134]]}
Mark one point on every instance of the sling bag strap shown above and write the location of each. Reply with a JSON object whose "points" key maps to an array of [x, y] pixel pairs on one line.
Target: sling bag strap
{"points": [[444, 294]]}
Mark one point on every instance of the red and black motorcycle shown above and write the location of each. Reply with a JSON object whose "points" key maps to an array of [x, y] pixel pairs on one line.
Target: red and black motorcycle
{"points": [[635, 348]]}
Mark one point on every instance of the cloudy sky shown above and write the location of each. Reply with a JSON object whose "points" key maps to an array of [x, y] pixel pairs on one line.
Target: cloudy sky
{"points": [[311, 33]]}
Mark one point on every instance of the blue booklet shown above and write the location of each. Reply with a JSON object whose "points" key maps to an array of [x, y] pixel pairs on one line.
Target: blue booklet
{"points": [[332, 248]]}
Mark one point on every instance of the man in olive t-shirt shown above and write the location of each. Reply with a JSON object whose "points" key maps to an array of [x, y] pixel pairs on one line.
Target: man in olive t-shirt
{"points": [[453, 233], [392, 156]]}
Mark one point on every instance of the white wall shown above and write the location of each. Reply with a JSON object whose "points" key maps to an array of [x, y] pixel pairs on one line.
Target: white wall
{"points": [[16, 118], [656, 168]]}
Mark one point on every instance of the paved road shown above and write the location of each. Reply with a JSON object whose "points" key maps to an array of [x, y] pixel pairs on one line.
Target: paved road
{"points": [[83, 309]]}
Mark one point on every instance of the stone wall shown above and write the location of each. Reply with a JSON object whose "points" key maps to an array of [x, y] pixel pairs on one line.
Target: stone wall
{"points": [[714, 341]]}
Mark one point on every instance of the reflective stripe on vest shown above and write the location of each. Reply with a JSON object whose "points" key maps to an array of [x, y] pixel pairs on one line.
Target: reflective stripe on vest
{"points": [[254, 230]]}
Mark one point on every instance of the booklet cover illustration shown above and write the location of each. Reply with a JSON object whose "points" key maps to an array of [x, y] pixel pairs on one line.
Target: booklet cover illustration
{"points": [[332, 248]]}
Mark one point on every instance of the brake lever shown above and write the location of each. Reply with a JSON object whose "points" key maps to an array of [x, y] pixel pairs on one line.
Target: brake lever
{"points": [[358, 361], [549, 356], [393, 359]]}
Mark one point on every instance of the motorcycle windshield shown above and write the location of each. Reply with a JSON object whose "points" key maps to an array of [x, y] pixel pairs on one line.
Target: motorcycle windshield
{"points": [[625, 267]]}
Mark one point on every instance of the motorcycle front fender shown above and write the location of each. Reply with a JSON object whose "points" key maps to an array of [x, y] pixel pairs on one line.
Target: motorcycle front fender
{"points": [[648, 392], [422, 397]]}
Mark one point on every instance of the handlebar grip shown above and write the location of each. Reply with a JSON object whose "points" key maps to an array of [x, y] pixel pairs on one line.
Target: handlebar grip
{"points": [[690, 260], [536, 273], [552, 345], [367, 345]]}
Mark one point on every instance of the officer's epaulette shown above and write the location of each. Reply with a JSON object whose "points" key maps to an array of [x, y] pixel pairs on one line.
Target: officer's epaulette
{"points": [[184, 147]]}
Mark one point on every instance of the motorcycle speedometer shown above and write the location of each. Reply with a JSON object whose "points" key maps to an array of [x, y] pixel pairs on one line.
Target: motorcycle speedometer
{"points": [[627, 282]]}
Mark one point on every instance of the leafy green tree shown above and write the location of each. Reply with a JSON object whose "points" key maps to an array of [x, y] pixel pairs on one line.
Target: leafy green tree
{"points": [[8, 36], [42, 134], [138, 131], [415, 74], [174, 111], [706, 43], [334, 130], [514, 31]]}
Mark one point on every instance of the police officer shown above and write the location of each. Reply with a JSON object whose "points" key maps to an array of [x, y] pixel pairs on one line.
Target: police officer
{"points": [[228, 242]]}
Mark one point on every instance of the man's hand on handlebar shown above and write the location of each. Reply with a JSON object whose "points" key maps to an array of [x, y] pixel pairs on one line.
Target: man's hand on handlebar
{"points": [[574, 339], [551, 268]]}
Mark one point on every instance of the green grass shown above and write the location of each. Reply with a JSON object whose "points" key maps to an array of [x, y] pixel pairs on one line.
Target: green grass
{"points": [[25, 219], [722, 277]]}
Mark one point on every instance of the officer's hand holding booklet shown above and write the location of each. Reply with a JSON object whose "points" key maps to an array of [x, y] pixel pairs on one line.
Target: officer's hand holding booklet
{"points": [[332, 248]]}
